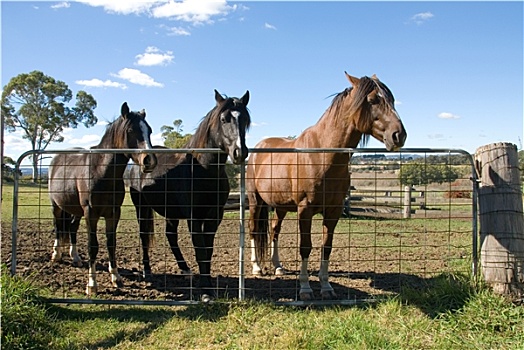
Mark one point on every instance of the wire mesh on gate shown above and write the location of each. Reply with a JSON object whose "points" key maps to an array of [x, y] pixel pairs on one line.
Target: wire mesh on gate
{"points": [[384, 241]]}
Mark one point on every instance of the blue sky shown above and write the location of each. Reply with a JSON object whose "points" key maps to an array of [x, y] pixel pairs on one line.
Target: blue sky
{"points": [[455, 68]]}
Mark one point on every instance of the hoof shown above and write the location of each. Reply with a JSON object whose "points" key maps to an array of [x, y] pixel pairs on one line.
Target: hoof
{"points": [[306, 296], [147, 275], [187, 274], [328, 295], [118, 284], [77, 263], [56, 258], [206, 298], [279, 271], [91, 290], [256, 272]]}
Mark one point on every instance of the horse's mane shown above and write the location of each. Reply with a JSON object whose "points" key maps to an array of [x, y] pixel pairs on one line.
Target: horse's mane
{"points": [[115, 135], [365, 87], [210, 123]]}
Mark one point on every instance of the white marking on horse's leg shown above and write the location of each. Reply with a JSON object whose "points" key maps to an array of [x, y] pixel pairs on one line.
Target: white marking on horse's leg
{"points": [[116, 279], [92, 287], [275, 258], [257, 270], [73, 253], [305, 293], [323, 275], [57, 251]]}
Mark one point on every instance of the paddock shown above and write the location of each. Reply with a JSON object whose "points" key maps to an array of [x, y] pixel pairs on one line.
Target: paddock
{"points": [[377, 249]]}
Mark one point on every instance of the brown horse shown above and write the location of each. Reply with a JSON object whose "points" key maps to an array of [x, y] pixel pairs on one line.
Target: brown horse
{"points": [[313, 183], [91, 185]]}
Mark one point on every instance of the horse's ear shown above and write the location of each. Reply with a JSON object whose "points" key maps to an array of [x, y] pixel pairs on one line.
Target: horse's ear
{"points": [[143, 113], [218, 97], [374, 77], [125, 110], [245, 99], [353, 80]]}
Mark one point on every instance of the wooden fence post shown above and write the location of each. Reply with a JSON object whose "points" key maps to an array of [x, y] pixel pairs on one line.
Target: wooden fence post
{"points": [[501, 218], [407, 202]]}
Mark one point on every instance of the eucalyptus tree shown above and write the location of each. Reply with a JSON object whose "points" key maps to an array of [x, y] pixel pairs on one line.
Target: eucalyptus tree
{"points": [[37, 105]]}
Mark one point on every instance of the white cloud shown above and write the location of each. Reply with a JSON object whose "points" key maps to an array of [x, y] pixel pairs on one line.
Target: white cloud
{"points": [[154, 57], [124, 7], [421, 17], [137, 77], [269, 26], [156, 139], [91, 139], [446, 115], [193, 11], [61, 5], [99, 83], [176, 31]]}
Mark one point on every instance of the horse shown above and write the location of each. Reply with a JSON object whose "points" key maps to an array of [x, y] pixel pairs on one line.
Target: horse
{"points": [[313, 183], [91, 185], [193, 186]]}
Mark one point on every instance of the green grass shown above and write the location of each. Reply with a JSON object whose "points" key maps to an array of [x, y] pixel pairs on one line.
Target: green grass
{"points": [[451, 313]]}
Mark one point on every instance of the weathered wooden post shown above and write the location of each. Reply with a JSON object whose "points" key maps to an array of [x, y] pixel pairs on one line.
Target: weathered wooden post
{"points": [[501, 218], [407, 202]]}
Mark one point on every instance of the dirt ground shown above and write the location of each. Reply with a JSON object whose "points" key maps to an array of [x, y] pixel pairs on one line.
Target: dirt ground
{"points": [[367, 261]]}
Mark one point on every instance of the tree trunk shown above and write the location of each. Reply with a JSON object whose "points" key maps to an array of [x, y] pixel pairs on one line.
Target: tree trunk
{"points": [[501, 218], [34, 159]]}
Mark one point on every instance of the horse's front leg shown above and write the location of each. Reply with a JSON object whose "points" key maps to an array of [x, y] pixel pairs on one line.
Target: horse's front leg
{"points": [[73, 251], [111, 226], [92, 242], [305, 217], [329, 224], [172, 237]]}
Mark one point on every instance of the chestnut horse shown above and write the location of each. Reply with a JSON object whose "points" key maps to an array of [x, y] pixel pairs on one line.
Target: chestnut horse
{"points": [[313, 183], [92, 185]]}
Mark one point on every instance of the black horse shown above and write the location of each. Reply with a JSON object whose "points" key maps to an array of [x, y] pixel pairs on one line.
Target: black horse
{"points": [[194, 187], [92, 185]]}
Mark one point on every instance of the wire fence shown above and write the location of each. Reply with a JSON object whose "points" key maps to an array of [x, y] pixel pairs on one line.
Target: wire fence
{"points": [[407, 218]]}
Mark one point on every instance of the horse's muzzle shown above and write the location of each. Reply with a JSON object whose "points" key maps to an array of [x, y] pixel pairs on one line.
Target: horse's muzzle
{"points": [[238, 155], [148, 162]]}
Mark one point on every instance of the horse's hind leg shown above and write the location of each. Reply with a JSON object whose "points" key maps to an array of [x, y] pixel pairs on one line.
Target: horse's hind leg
{"points": [[62, 222], [276, 226], [172, 237]]}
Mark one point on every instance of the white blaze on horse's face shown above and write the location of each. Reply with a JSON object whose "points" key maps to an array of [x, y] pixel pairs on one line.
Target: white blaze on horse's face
{"points": [[236, 115], [146, 133]]}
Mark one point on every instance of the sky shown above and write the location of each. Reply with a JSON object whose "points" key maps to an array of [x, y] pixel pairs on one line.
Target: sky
{"points": [[455, 68]]}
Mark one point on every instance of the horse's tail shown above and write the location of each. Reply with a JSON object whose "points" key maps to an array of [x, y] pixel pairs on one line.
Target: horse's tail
{"points": [[262, 233]]}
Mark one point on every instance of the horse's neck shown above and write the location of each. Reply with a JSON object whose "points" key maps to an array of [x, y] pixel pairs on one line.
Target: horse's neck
{"points": [[332, 132]]}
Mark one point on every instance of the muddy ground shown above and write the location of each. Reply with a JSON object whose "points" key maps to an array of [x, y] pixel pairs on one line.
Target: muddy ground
{"points": [[369, 259]]}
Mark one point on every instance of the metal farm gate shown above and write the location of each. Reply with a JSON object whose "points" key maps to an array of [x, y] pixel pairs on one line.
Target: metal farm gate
{"points": [[391, 236]]}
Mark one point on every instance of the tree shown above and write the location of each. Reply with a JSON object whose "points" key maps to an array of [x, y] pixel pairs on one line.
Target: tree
{"points": [[416, 173], [36, 104], [8, 169], [172, 135]]}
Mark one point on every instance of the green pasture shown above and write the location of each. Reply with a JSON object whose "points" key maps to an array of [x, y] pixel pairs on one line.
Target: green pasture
{"points": [[451, 311]]}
